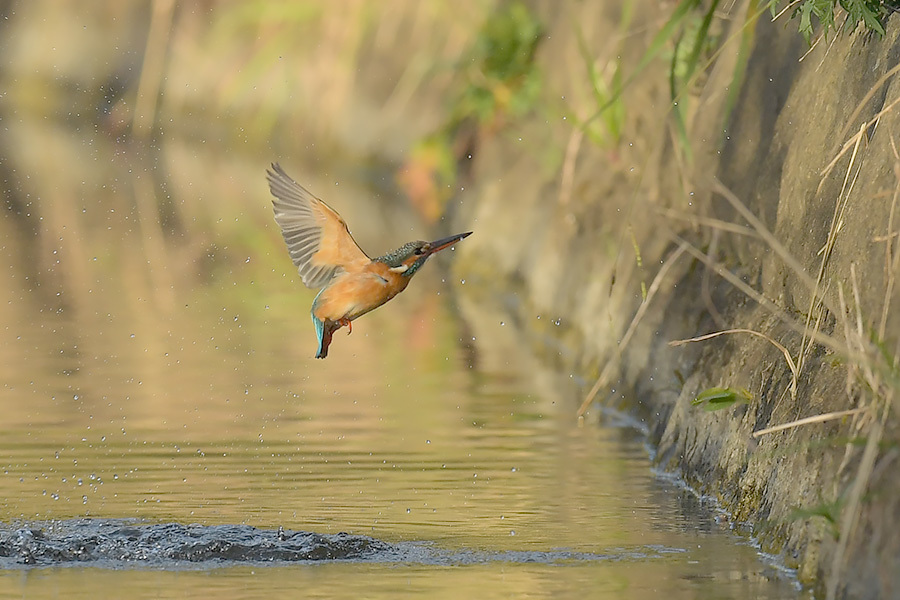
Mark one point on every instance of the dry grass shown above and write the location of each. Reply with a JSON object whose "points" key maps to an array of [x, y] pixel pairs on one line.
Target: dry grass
{"points": [[881, 396], [611, 365], [872, 372], [822, 418], [795, 373]]}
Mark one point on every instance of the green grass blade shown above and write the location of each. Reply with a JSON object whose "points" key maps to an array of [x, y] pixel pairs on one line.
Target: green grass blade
{"points": [[665, 34]]}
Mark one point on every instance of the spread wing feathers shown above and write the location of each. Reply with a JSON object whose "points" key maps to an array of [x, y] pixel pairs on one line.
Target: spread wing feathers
{"points": [[316, 236]]}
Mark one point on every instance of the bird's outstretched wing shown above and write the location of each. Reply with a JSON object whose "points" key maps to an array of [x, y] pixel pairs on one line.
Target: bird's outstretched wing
{"points": [[316, 236]]}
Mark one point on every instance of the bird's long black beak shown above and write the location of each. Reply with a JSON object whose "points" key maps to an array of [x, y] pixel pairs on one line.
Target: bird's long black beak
{"points": [[438, 245]]}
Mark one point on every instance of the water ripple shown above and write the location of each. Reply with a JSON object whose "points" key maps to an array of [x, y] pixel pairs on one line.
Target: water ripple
{"points": [[113, 543], [120, 543]]}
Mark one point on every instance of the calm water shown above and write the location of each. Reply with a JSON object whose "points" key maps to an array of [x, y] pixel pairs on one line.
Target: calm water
{"points": [[145, 379], [156, 365], [490, 475]]}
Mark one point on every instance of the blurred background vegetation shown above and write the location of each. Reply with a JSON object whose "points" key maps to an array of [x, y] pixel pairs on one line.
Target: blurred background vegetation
{"points": [[136, 135], [146, 124]]}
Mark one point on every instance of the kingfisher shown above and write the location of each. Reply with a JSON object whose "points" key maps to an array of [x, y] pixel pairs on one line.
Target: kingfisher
{"points": [[327, 257]]}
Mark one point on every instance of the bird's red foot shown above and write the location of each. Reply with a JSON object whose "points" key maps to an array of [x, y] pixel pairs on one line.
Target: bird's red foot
{"points": [[348, 323]]}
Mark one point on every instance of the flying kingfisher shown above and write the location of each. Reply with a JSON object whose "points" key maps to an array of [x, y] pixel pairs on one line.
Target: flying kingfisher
{"points": [[328, 257]]}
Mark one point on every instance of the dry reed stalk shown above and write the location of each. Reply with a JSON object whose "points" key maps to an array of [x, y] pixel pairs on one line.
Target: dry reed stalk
{"points": [[821, 418], [642, 309], [568, 170], [708, 222], [853, 141], [865, 99], [153, 68], [831, 239]]}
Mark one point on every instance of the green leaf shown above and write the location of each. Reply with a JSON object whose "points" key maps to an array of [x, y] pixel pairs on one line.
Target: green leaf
{"points": [[718, 398]]}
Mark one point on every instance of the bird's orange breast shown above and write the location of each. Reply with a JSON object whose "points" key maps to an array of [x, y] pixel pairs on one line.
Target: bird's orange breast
{"points": [[355, 293]]}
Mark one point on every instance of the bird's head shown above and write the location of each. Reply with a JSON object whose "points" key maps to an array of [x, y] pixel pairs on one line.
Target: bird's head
{"points": [[408, 258]]}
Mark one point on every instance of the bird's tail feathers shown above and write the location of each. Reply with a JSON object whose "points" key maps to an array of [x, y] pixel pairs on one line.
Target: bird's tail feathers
{"points": [[321, 337]]}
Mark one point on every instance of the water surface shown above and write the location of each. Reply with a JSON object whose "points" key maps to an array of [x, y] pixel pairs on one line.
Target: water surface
{"points": [[161, 400], [463, 469]]}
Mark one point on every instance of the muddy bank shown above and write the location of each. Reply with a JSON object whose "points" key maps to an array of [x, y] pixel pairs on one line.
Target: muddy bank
{"points": [[781, 223]]}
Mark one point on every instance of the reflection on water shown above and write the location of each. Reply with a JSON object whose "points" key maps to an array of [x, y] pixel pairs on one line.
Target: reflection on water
{"points": [[201, 403], [156, 363]]}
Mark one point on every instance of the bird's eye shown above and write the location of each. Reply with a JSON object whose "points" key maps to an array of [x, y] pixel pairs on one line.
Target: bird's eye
{"points": [[418, 251]]}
